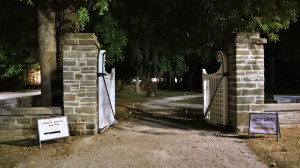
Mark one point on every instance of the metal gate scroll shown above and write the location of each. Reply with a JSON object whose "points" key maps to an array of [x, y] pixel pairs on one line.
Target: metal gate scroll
{"points": [[215, 93]]}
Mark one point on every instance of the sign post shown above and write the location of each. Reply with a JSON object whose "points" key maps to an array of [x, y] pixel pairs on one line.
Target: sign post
{"points": [[264, 123], [53, 128]]}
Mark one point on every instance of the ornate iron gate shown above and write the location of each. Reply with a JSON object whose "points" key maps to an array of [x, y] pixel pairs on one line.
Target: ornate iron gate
{"points": [[215, 93]]}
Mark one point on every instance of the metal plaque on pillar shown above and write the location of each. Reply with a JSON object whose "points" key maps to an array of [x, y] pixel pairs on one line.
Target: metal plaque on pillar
{"points": [[106, 94]]}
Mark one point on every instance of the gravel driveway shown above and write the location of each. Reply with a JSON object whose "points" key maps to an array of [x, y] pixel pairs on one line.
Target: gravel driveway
{"points": [[166, 135]]}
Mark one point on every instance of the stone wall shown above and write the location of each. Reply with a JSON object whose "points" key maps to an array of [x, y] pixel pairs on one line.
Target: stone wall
{"points": [[21, 123], [27, 101], [288, 114], [80, 52], [246, 79]]}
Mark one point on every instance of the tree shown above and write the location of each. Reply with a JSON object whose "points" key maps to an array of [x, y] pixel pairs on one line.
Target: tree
{"points": [[55, 18], [18, 42]]}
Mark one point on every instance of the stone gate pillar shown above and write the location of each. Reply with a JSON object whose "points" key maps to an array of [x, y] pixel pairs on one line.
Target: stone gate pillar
{"points": [[80, 51], [246, 79]]}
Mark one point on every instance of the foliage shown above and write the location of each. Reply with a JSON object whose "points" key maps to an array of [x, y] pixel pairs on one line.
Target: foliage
{"points": [[83, 17], [111, 37], [12, 71], [18, 38], [100, 6]]}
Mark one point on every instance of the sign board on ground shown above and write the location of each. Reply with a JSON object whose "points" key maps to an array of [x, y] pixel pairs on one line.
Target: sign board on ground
{"points": [[263, 123], [53, 128]]}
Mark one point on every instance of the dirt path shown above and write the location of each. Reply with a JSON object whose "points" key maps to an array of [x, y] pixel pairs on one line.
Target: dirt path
{"points": [[165, 136]]}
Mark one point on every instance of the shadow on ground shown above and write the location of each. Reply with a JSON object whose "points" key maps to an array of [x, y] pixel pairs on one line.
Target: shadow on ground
{"points": [[181, 118]]}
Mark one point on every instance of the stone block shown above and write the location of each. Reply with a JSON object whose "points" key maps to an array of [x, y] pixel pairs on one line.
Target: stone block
{"points": [[242, 119], [246, 85], [93, 54], [66, 88], [89, 99], [67, 48], [92, 62], [91, 77], [90, 132], [73, 118], [79, 95], [8, 119], [258, 108], [242, 52], [69, 97], [260, 85], [243, 107], [253, 92], [88, 118], [87, 83], [84, 48], [69, 62], [71, 104], [65, 69], [244, 67], [86, 110], [257, 57], [245, 100], [82, 63], [23, 120], [74, 69], [73, 54], [241, 46], [89, 68], [70, 41], [88, 103], [259, 52], [256, 47], [253, 78], [74, 86], [81, 36], [260, 73], [68, 110], [91, 94], [90, 126], [79, 76], [78, 91], [79, 126], [259, 41], [5, 126]]}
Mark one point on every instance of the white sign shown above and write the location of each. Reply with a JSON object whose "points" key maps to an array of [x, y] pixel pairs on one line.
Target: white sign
{"points": [[263, 123], [53, 128]]}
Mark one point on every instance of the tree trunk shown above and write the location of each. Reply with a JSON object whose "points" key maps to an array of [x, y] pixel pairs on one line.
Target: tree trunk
{"points": [[137, 84], [66, 22], [47, 50]]}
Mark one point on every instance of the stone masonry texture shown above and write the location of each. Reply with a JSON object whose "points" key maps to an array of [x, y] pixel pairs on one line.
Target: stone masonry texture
{"points": [[80, 57], [246, 79]]}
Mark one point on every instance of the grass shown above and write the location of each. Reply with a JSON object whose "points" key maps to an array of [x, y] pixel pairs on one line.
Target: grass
{"points": [[282, 154]]}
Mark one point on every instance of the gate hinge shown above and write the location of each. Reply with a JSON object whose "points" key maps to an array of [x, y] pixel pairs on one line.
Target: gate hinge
{"points": [[101, 74]]}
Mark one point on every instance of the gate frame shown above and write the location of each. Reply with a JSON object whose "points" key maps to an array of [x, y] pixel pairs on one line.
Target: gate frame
{"points": [[209, 93]]}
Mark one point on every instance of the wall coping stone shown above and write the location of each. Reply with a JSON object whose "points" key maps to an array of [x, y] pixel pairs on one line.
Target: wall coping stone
{"points": [[80, 38], [282, 107], [31, 111]]}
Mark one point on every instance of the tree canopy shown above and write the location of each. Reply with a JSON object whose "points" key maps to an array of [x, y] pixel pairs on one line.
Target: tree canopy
{"points": [[153, 37]]}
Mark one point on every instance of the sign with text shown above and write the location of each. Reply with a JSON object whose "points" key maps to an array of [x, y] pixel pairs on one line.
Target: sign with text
{"points": [[53, 128], [263, 123]]}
